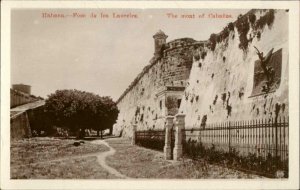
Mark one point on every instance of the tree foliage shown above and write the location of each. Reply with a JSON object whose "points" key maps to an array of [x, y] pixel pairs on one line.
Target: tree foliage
{"points": [[213, 41], [74, 110]]}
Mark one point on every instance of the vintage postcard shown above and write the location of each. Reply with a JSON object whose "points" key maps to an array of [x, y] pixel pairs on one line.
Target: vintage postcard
{"points": [[150, 95]]}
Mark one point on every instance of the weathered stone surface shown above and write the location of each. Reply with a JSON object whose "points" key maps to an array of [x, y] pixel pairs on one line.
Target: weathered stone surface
{"points": [[227, 95], [217, 84], [179, 125], [167, 147], [144, 102]]}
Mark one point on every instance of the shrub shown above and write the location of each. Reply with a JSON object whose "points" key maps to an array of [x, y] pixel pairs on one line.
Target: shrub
{"points": [[243, 27], [268, 166], [224, 34], [267, 19], [252, 19], [243, 42], [270, 17], [230, 26], [219, 39], [213, 41]]}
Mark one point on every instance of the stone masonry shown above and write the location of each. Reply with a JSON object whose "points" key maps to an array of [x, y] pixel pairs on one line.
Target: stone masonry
{"points": [[157, 91]]}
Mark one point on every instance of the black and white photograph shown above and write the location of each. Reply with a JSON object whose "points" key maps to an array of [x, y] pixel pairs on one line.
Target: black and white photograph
{"points": [[135, 93]]}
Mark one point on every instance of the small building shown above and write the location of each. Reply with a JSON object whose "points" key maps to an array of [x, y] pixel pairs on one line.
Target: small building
{"points": [[22, 88]]}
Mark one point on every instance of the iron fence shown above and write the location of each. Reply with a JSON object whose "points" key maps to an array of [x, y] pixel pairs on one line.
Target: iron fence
{"points": [[154, 139], [260, 145]]}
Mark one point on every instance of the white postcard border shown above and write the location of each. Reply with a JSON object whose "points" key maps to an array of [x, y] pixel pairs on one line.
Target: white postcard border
{"points": [[290, 183]]}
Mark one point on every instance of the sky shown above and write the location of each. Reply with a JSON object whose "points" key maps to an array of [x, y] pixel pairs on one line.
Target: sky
{"points": [[94, 54]]}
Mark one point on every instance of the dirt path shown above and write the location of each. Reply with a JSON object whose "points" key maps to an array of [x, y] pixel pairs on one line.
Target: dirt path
{"points": [[101, 159]]}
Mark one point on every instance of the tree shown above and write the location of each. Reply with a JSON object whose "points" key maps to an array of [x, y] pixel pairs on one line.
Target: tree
{"points": [[106, 114], [78, 110]]}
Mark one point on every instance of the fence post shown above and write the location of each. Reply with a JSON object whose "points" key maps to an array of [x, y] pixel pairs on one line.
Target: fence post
{"points": [[276, 138], [229, 137], [167, 147], [134, 126], [179, 125]]}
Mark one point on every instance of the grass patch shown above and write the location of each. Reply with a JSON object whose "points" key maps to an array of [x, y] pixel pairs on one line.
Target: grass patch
{"points": [[80, 168], [49, 158], [39, 149], [138, 162], [135, 161]]}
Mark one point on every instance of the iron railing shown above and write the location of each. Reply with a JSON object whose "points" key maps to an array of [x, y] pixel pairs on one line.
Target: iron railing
{"points": [[154, 139], [260, 144]]}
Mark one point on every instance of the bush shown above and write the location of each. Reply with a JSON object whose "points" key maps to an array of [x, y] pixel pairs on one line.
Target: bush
{"points": [[224, 34], [243, 27], [230, 26], [213, 41], [252, 19], [265, 166], [267, 19]]}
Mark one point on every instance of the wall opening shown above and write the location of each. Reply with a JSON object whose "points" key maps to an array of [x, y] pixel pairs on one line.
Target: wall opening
{"points": [[178, 103], [160, 104]]}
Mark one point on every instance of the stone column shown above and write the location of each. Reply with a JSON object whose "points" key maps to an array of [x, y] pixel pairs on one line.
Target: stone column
{"points": [[167, 147], [179, 125], [134, 126]]}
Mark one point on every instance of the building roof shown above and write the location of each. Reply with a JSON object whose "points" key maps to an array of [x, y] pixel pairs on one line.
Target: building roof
{"points": [[160, 33], [21, 84], [20, 109]]}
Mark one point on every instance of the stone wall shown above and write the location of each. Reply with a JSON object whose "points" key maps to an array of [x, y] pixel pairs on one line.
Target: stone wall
{"points": [[18, 98], [222, 78], [144, 101], [19, 126], [222, 86], [26, 118]]}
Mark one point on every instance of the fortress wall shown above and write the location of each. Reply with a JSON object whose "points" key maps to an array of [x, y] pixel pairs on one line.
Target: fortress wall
{"points": [[222, 84], [142, 102], [18, 98]]}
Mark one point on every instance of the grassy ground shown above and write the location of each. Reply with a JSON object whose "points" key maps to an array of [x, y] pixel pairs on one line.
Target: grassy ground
{"points": [[50, 158], [138, 162], [78, 168]]}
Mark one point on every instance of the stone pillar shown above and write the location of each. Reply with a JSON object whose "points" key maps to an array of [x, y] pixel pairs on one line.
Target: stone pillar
{"points": [[134, 126], [179, 125], [167, 147]]}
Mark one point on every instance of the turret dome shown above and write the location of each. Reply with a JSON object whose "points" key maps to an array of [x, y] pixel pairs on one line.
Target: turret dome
{"points": [[159, 34]]}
